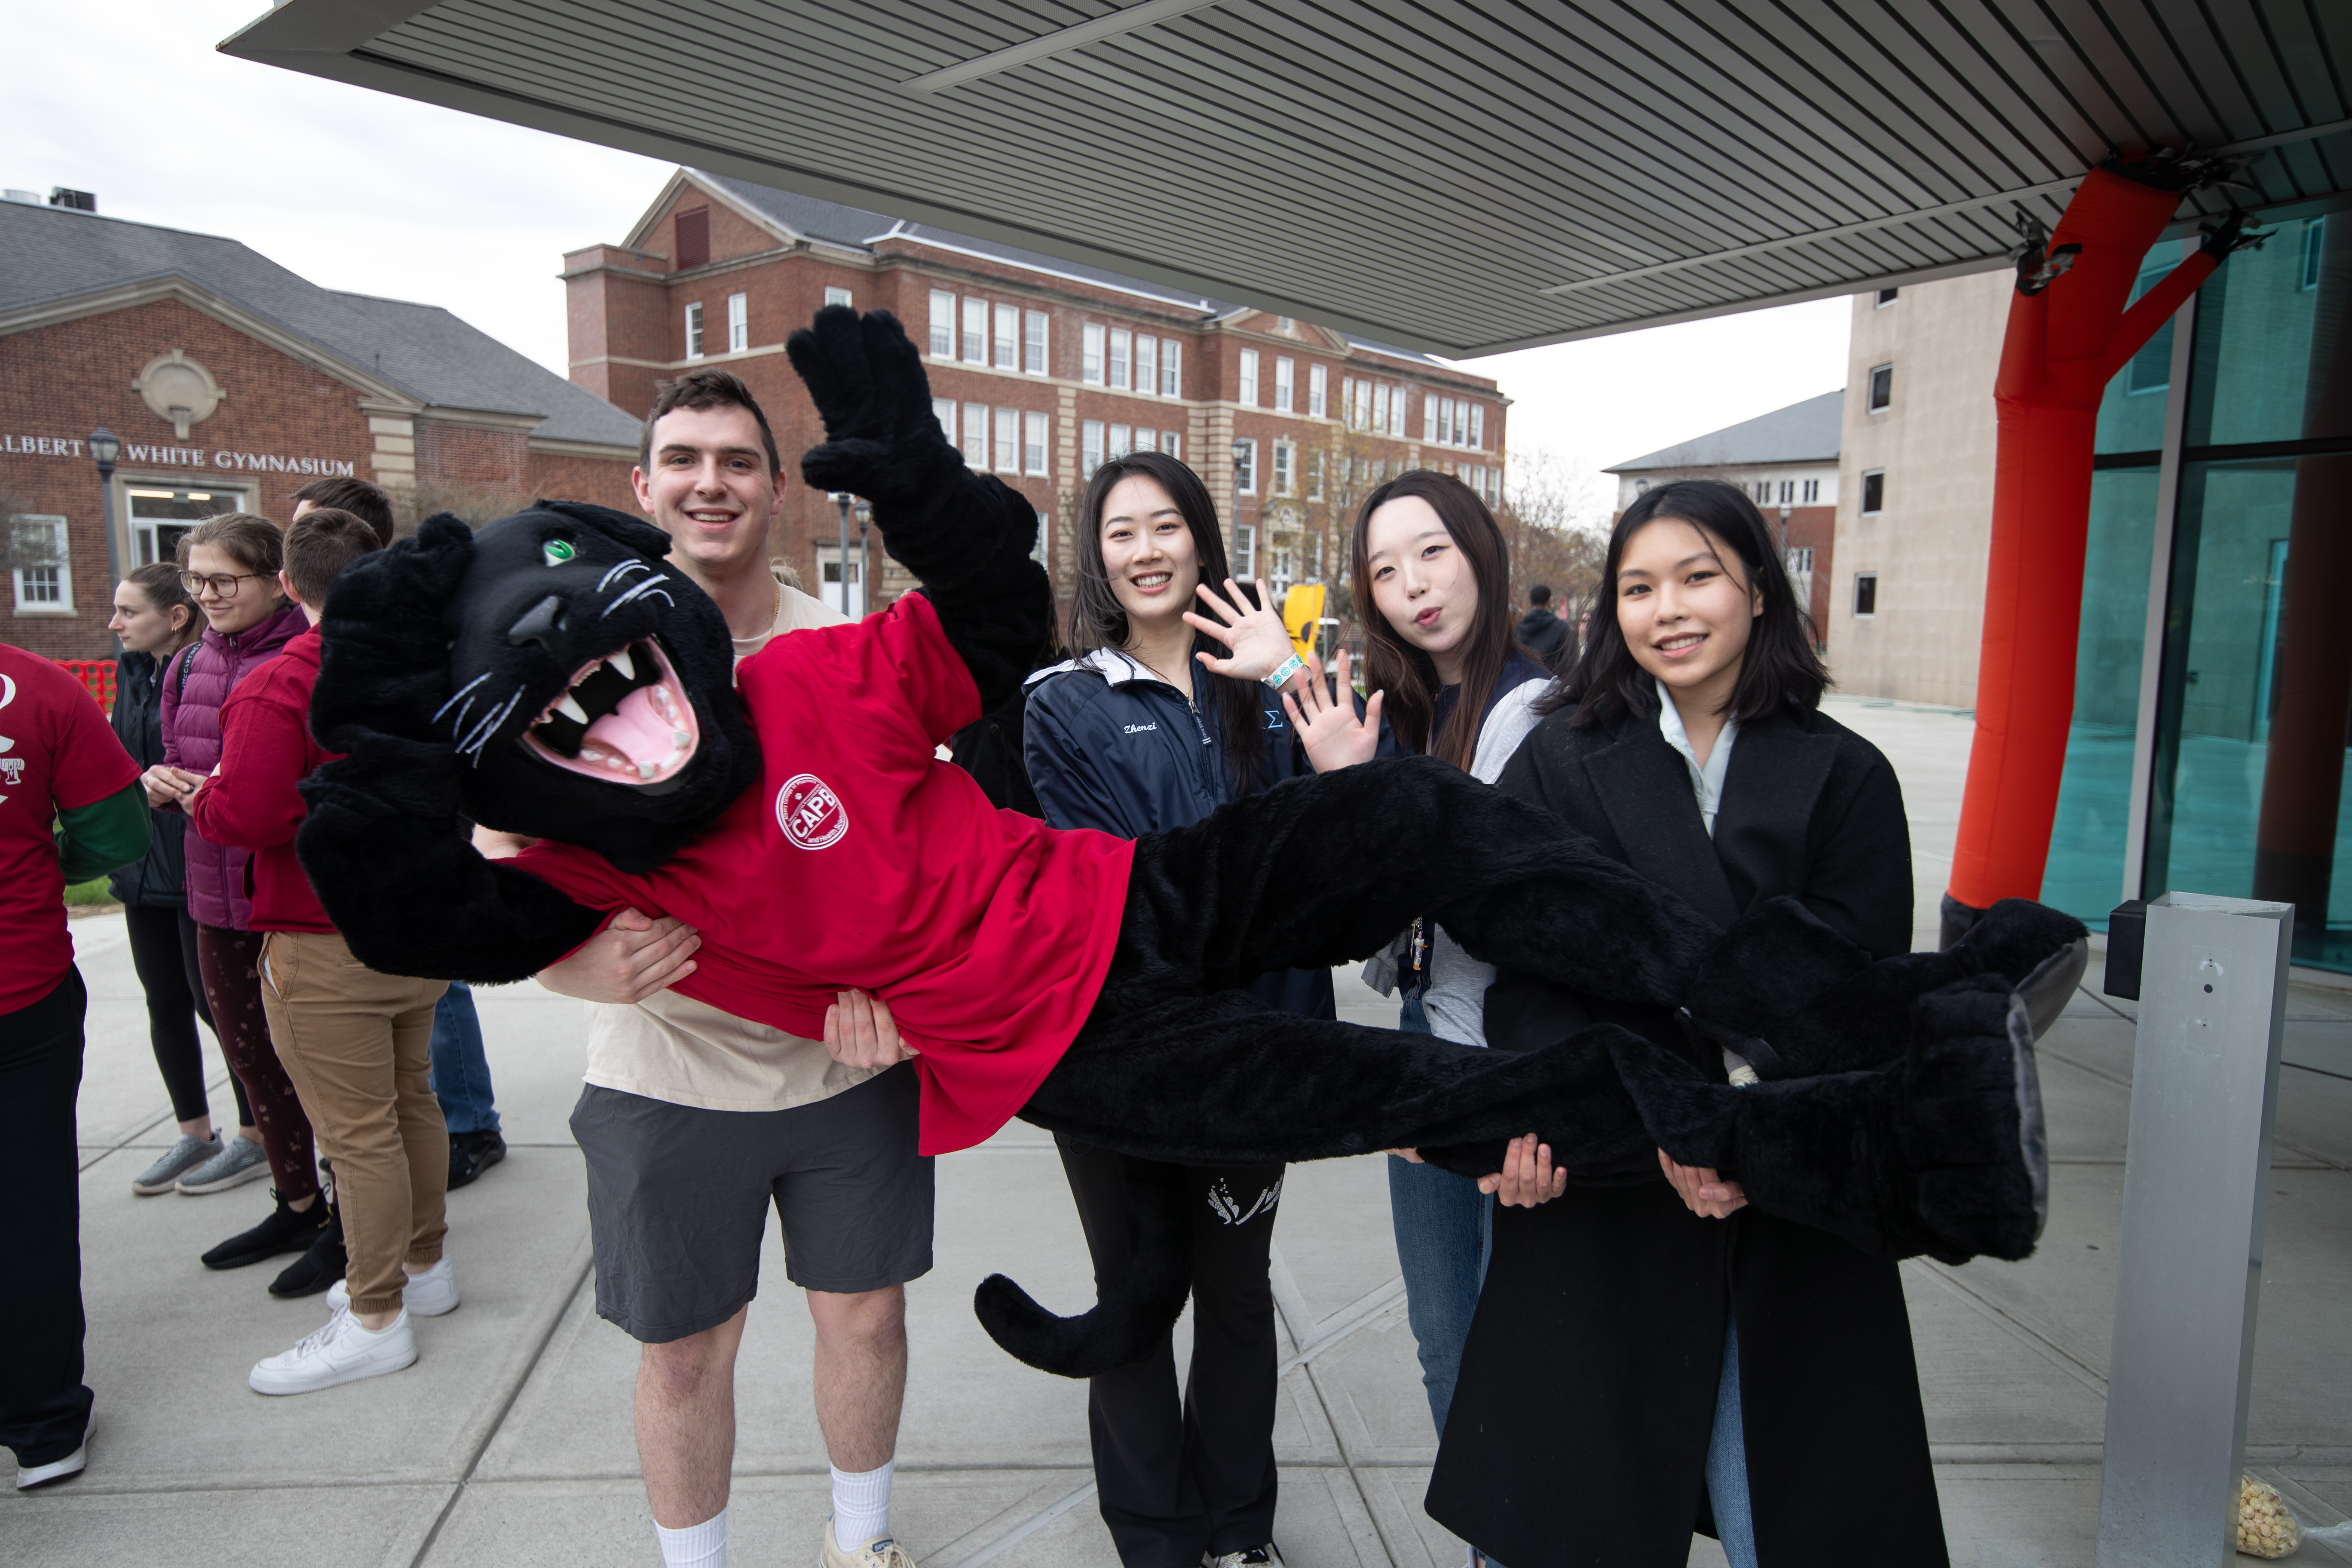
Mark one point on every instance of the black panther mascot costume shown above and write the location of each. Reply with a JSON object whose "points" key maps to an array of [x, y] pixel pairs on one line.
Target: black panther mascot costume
{"points": [[547, 677]]}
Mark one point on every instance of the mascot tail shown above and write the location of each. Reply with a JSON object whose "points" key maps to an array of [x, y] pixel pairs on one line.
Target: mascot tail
{"points": [[1134, 1308], [1944, 1155]]}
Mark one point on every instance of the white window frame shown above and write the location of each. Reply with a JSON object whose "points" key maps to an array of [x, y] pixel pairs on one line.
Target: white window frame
{"points": [[1246, 465], [1004, 338], [1887, 297], [1245, 550], [61, 545], [1172, 443], [1384, 407], [975, 436], [1090, 353], [943, 409], [1862, 503], [1478, 425], [1859, 613], [1813, 492], [1870, 389], [1172, 367], [1248, 384], [1147, 365], [694, 330], [1091, 451], [1036, 434], [835, 294], [1121, 441], [943, 323], [848, 597], [738, 322], [1118, 368], [1315, 473], [1034, 359], [1285, 462], [1319, 390], [1429, 418], [1007, 454], [975, 332]]}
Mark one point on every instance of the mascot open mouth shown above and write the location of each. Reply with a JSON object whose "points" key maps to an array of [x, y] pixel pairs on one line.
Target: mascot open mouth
{"points": [[622, 718]]}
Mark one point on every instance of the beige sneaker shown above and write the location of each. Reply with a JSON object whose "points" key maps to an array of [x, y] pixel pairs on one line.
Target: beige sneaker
{"points": [[881, 1552]]}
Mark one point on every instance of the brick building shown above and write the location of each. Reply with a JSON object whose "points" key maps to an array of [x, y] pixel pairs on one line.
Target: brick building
{"points": [[1041, 370], [1787, 461], [231, 382]]}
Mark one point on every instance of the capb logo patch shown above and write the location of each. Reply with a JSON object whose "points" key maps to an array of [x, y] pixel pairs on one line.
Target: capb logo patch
{"points": [[810, 815]]}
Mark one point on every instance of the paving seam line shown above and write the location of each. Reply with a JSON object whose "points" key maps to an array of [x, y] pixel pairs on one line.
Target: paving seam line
{"points": [[148, 1125], [1291, 1302], [2017, 1327], [582, 1257], [2124, 1084], [1364, 1309]]}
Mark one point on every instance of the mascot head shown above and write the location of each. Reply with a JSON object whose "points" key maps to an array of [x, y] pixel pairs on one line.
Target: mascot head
{"points": [[588, 687]]}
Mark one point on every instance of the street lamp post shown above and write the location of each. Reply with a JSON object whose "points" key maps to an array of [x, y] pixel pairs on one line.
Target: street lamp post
{"points": [[105, 448], [841, 561], [865, 515], [1240, 567]]}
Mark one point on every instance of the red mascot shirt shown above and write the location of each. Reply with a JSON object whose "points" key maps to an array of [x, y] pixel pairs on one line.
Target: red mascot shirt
{"points": [[861, 859]]}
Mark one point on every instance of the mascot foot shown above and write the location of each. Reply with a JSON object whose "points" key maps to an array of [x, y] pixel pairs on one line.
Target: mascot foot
{"points": [[1942, 1153], [1136, 1308]]}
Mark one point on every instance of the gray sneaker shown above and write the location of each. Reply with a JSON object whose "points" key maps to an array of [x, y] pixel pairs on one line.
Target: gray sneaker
{"points": [[177, 1161], [240, 1161]]}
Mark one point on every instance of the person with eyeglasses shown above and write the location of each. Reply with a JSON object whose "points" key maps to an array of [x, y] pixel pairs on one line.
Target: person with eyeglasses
{"points": [[229, 565]]}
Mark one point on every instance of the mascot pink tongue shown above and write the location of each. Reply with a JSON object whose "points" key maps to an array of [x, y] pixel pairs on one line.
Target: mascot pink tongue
{"points": [[653, 743]]}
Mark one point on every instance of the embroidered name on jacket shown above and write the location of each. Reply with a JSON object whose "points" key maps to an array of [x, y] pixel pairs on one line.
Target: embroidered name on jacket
{"points": [[812, 816], [1140, 729]]}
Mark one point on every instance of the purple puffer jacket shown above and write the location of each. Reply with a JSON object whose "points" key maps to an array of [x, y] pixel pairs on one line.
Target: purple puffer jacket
{"points": [[192, 740]]}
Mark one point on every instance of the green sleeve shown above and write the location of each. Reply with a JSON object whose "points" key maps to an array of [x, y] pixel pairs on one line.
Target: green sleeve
{"points": [[103, 836]]}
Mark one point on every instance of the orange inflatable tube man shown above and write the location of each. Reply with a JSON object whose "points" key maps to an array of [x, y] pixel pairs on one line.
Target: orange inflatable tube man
{"points": [[2069, 332]]}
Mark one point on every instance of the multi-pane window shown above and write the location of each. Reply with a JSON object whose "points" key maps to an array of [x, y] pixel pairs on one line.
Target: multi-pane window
{"points": [[1429, 412], [2314, 234], [739, 324], [1865, 594], [1032, 343], [44, 577], [1034, 428], [1121, 366], [1173, 444], [1006, 340], [1286, 564], [1887, 297], [1147, 363], [694, 330], [1245, 551], [1800, 558], [1090, 358], [943, 409], [1090, 446], [1363, 404], [1873, 492], [1171, 368], [1882, 388], [1008, 440], [1315, 471], [1122, 440], [1318, 390], [1788, 492], [1478, 425], [1812, 491], [1462, 411], [1381, 406], [1249, 377], [975, 435], [836, 296], [1245, 467], [942, 324], [975, 332], [1284, 455]]}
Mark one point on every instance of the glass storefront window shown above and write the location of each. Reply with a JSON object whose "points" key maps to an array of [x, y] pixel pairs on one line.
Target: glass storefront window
{"points": [[161, 516], [2255, 344]]}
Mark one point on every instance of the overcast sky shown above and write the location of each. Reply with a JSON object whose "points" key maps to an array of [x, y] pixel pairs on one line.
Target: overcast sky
{"points": [[359, 191]]}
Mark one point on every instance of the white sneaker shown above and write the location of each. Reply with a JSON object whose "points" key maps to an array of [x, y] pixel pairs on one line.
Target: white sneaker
{"points": [[29, 1476], [343, 1351], [429, 1295], [881, 1552]]}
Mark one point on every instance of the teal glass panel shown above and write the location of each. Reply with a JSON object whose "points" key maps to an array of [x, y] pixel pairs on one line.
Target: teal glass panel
{"points": [[2131, 414], [2084, 876], [2256, 322]]}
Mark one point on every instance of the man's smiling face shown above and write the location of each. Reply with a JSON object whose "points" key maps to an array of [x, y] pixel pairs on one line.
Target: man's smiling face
{"points": [[709, 488]]}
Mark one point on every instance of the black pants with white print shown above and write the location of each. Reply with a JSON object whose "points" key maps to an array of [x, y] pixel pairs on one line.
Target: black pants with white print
{"points": [[1181, 1473]]}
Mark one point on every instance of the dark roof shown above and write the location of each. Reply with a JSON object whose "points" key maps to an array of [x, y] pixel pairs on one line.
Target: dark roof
{"points": [[1805, 432], [859, 229], [51, 254]]}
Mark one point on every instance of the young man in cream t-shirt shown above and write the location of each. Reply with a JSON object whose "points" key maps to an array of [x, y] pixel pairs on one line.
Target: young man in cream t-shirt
{"points": [[693, 1122]]}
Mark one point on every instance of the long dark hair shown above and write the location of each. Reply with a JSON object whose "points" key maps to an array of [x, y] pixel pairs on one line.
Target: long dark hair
{"points": [[1098, 620], [1779, 665], [1394, 666]]}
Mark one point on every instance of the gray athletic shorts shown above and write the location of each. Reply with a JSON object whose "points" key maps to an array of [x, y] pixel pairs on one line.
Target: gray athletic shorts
{"points": [[677, 1200]]}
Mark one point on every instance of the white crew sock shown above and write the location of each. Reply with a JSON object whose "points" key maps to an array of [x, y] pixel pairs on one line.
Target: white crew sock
{"points": [[700, 1545], [861, 1506]]}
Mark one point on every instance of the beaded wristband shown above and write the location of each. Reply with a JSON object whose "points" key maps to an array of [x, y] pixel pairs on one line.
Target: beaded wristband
{"points": [[1285, 672]]}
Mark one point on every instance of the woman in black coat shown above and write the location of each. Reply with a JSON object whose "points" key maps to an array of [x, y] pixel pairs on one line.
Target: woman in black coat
{"points": [[1648, 1360]]}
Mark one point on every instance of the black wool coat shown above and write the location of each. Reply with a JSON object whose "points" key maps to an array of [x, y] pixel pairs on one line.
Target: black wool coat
{"points": [[1578, 1430], [158, 878]]}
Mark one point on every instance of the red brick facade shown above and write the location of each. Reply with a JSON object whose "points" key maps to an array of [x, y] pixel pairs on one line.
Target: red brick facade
{"points": [[629, 314], [281, 421]]}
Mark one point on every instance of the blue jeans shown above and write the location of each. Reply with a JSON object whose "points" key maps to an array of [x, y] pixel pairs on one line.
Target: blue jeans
{"points": [[461, 1073], [1444, 1229], [1727, 1463]]}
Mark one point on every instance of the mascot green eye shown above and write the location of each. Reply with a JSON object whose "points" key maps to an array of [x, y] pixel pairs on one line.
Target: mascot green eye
{"points": [[556, 552]]}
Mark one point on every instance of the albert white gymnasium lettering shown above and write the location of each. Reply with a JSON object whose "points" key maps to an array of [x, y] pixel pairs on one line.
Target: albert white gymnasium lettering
{"points": [[181, 456]]}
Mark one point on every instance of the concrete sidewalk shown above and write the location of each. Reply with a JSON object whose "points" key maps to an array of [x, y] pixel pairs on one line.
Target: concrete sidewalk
{"points": [[511, 1442]]}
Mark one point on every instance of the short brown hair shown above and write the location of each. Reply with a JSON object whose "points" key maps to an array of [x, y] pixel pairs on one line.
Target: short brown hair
{"points": [[362, 500], [322, 541], [706, 389], [254, 542]]}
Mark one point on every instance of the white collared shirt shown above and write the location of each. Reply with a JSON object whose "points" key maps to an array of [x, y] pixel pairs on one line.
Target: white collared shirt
{"points": [[1706, 782]]}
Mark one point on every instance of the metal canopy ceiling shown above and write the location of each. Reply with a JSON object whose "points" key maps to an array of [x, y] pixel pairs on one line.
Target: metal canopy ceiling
{"points": [[1463, 176]]}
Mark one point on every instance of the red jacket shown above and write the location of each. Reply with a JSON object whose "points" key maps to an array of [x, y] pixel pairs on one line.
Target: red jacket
{"points": [[251, 803]]}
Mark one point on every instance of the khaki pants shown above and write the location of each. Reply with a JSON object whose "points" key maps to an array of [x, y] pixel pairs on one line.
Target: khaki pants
{"points": [[357, 1046]]}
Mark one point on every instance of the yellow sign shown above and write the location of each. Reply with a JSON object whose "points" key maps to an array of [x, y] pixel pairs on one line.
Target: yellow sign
{"points": [[1301, 608]]}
